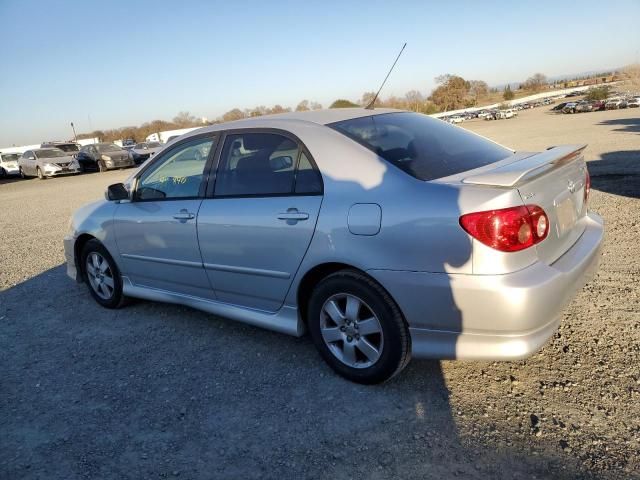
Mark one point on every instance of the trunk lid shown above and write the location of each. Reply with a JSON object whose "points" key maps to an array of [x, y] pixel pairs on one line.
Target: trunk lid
{"points": [[554, 180]]}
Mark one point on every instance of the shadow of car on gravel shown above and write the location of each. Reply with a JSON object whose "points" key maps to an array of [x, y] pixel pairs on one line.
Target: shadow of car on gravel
{"points": [[157, 389], [626, 124], [617, 173]]}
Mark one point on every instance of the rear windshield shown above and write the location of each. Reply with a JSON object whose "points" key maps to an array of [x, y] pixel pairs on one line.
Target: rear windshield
{"points": [[423, 147]]}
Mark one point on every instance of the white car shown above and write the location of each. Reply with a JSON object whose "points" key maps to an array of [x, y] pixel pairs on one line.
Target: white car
{"points": [[634, 103], [508, 113], [47, 162], [9, 164], [455, 119]]}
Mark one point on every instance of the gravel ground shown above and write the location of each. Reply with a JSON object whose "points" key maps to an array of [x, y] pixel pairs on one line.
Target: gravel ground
{"points": [[162, 391]]}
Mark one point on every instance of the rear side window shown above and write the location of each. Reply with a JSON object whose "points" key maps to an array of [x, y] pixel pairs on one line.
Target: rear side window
{"points": [[423, 147], [256, 164]]}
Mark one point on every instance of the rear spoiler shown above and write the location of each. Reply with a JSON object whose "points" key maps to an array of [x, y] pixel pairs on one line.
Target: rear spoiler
{"points": [[514, 174]]}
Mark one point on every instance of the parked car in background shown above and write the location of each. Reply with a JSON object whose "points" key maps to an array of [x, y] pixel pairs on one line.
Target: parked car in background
{"points": [[68, 147], [141, 152], [47, 162], [569, 107], [9, 164], [100, 157], [128, 144], [582, 107], [558, 108], [613, 104], [634, 103], [623, 103], [335, 222], [598, 105]]}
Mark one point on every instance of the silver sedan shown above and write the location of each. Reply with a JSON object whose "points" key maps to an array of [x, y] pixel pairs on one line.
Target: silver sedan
{"points": [[384, 234]]}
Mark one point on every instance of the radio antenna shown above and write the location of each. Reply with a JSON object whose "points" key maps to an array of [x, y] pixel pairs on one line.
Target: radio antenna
{"points": [[372, 102]]}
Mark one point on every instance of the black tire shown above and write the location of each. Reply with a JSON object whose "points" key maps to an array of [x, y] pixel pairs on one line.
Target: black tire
{"points": [[2, 173], [40, 174], [396, 349], [101, 166], [22, 175], [117, 298]]}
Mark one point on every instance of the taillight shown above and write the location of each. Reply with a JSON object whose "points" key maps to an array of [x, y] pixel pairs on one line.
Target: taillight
{"points": [[587, 185], [508, 229]]}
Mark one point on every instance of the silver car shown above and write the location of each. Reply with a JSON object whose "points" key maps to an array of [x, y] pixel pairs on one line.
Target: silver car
{"points": [[384, 234], [47, 162]]}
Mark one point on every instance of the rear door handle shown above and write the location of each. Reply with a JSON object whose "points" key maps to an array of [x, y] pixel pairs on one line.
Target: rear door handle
{"points": [[183, 215], [293, 215]]}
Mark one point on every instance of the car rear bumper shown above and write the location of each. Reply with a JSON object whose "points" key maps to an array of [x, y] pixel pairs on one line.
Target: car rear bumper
{"points": [[492, 317]]}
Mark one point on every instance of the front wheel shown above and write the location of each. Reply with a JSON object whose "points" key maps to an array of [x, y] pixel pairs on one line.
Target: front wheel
{"points": [[102, 275], [101, 166], [40, 174], [22, 175], [2, 173], [357, 328]]}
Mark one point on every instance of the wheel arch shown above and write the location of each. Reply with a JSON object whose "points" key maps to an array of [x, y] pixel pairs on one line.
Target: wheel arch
{"points": [[317, 273], [79, 244]]}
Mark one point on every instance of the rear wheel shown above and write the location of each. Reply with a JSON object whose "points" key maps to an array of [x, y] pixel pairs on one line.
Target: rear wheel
{"points": [[357, 328], [102, 275]]}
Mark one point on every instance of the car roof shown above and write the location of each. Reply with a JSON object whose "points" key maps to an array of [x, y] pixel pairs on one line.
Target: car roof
{"points": [[319, 117]]}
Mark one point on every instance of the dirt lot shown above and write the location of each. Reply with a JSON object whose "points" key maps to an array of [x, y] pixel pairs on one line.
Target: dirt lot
{"points": [[157, 391]]}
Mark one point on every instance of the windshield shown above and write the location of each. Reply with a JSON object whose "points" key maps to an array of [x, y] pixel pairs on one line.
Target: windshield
{"points": [[422, 146], [10, 157], [108, 147], [50, 153]]}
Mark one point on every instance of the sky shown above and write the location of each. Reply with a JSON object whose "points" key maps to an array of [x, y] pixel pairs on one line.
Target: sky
{"points": [[109, 64]]}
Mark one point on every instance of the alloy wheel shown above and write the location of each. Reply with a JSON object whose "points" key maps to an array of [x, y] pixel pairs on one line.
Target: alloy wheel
{"points": [[100, 275], [351, 330]]}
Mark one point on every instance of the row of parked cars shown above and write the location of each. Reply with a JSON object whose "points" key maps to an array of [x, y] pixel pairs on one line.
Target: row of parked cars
{"points": [[613, 103], [496, 113], [53, 159]]}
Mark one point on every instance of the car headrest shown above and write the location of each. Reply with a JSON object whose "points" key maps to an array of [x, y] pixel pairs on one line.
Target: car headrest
{"points": [[254, 164]]}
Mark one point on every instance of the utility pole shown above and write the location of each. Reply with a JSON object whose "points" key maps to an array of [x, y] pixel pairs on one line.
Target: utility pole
{"points": [[75, 137]]}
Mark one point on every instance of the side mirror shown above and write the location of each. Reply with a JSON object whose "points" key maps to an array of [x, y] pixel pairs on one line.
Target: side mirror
{"points": [[117, 191], [282, 162]]}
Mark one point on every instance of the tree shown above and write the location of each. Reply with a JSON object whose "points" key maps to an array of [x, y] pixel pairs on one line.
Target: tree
{"points": [[598, 93], [303, 106], [508, 94], [452, 92], [478, 89], [536, 82], [414, 100], [279, 109], [315, 106], [231, 115], [185, 119], [342, 103], [631, 74]]}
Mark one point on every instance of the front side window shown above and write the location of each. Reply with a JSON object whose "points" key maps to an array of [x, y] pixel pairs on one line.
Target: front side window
{"points": [[421, 146], [256, 164], [178, 174]]}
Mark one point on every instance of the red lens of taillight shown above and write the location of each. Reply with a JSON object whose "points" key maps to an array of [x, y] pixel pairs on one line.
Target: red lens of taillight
{"points": [[508, 229], [587, 185]]}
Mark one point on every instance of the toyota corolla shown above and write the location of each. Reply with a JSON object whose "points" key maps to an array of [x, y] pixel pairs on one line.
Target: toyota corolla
{"points": [[384, 234]]}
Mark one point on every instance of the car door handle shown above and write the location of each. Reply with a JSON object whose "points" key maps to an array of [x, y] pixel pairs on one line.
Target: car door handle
{"points": [[183, 215], [295, 215]]}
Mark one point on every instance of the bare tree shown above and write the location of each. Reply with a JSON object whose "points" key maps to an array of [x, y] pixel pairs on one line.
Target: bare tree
{"points": [[478, 89], [185, 119], [535, 83], [414, 100], [315, 106]]}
